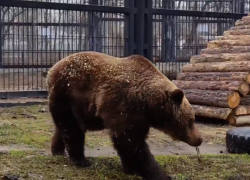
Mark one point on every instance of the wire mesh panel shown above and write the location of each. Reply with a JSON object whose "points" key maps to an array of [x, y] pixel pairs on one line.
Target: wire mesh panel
{"points": [[224, 6], [176, 37], [33, 39], [115, 3], [35, 34]]}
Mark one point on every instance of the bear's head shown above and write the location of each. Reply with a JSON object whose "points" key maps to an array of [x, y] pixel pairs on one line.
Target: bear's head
{"points": [[176, 118]]}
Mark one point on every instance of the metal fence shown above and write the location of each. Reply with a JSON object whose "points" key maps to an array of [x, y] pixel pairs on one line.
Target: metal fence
{"points": [[36, 34]]}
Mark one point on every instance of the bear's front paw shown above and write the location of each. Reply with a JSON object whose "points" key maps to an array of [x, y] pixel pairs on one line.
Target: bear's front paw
{"points": [[82, 163]]}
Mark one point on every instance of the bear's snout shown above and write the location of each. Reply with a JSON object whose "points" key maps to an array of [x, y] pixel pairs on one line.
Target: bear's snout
{"points": [[193, 137], [195, 141]]}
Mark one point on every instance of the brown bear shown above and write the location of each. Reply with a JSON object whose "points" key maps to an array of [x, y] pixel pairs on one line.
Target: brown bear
{"points": [[95, 91]]}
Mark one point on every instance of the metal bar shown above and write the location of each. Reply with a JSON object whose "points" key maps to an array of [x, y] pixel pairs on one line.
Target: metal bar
{"points": [[148, 36], [242, 6], [63, 6], [1, 39], [17, 94], [130, 28], [139, 26], [198, 13], [26, 66]]}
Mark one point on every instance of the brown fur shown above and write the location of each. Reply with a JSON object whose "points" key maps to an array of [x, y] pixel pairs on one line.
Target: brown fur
{"points": [[93, 91]]}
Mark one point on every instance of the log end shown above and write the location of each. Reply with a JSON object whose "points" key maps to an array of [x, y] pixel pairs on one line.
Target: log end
{"points": [[244, 88], [248, 78], [233, 99], [239, 120]]}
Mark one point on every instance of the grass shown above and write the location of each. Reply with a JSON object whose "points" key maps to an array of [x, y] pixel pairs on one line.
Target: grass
{"points": [[28, 126], [213, 167]]}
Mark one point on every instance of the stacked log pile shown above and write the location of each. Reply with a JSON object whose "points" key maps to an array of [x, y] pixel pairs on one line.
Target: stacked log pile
{"points": [[216, 82]]}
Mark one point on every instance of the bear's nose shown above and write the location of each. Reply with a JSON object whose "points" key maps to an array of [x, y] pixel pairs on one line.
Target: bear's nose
{"points": [[199, 141], [195, 141]]}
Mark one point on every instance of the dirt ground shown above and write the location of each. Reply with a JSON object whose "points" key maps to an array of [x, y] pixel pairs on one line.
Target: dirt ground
{"points": [[26, 131]]}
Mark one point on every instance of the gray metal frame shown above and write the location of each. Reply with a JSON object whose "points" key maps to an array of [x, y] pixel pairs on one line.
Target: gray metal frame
{"points": [[138, 17]]}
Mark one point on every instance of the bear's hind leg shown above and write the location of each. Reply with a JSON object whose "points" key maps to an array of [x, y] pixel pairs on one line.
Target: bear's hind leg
{"points": [[135, 155], [71, 133], [57, 144]]}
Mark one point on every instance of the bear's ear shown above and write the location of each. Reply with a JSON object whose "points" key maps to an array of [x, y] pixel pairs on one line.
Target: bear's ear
{"points": [[177, 96]]}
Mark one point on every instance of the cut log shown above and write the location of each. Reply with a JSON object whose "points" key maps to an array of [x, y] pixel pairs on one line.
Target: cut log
{"points": [[226, 99], [212, 112], [241, 110], [239, 120], [242, 66], [239, 86], [246, 18], [232, 49], [246, 26], [215, 76], [245, 101], [227, 43], [240, 22], [235, 37], [237, 32], [220, 57]]}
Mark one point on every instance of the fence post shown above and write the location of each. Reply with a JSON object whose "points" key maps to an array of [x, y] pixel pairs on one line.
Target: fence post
{"points": [[242, 6], [143, 28], [148, 36], [1, 40], [129, 29]]}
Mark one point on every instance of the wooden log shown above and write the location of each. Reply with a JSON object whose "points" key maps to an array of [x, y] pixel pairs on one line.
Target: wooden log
{"points": [[244, 26], [246, 18], [212, 112], [245, 101], [241, 110], [242, 66], [227, 43], [239, 120], [235, 37], [232, 49], [242, 22], [237, 32], [239, 86], [214, 76], [220, 57], [226, 99]]}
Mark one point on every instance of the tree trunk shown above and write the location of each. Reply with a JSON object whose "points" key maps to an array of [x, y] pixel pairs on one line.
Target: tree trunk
{"points": [[219, 58], [232, 49], [242, 66], [227, 43], [241, 110], [239, 86], [212, 112], [245, 101], [226, 99], [215, 76], [239, 120]]}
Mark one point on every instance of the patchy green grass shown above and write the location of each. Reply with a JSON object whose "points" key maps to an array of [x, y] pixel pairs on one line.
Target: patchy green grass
{"points": [[29, 126], [31, 166], [25, 125]]}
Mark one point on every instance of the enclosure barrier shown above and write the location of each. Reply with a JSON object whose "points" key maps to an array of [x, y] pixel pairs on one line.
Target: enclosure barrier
{"points": [[36, 34]]}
